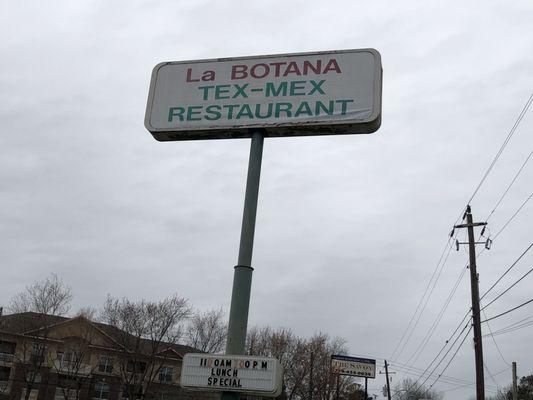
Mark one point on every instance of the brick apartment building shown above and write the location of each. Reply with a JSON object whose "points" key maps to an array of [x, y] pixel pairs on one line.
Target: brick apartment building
{"points": [[46, 357]]}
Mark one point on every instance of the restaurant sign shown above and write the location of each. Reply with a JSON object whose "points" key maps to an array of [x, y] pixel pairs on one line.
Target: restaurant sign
{"points": [[261, 376], [353, 366], [322, 93]]}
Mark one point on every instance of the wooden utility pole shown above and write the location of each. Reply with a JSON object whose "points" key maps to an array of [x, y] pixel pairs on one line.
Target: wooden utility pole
{"points": [[515, 388], [476, 320], [387, 378]]}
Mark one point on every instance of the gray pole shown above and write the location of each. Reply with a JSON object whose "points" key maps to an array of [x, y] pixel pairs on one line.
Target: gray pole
{"points": [[474, 287], [387, 377], [242, 277], [515, 388], [474, 283]]}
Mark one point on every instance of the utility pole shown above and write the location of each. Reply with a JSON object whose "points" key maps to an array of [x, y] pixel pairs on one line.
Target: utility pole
{"points": [[474, 283], [515, 388], [387, 378]]}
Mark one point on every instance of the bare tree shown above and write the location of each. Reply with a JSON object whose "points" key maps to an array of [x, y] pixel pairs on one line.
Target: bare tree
{"points": [[323, 382], [88, 312], [295, 355], [32, 349], [72, 363], [409, 390], [49, 296], [207, 331], [258, 341], [504, 393], [145, 329]]}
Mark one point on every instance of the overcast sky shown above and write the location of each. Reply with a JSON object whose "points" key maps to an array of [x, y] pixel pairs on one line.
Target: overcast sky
{"points": [[349, 228]]}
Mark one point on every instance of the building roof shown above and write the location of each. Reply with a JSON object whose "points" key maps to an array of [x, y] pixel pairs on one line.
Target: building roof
{"points": [[24, 323], [21, 323]]}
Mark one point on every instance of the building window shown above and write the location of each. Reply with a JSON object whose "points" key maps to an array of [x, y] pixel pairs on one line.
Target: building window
{"points": [[4, 378], [34, 394], [165, 374], [136, 366], [101, 390], [69, 361], [33, 377], [66, 393], [37, 353], [105, 364], [127, 389], [7, 351]]}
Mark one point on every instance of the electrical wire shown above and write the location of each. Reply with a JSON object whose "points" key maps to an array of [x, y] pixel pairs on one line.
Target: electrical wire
{"points": [[445, 355], [419, 308], [490, 374], [508, 311], [525, 325], [416, 371], [437, 320], [502, 147], [451, 359], [509, 186], [494, 340], [509, 288], [513, 327], [445, 344], [513, 216], [507, 271]]}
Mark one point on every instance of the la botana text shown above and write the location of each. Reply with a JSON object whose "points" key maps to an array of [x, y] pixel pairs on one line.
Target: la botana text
{"points": [[293, 79], [225, 372]]}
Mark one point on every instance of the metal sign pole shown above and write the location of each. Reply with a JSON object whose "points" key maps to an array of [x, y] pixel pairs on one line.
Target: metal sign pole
{"points": [[242, 277]]}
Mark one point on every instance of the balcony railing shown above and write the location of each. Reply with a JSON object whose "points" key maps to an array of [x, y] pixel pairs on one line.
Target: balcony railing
{"points": [[6, 357], [73, 367]]}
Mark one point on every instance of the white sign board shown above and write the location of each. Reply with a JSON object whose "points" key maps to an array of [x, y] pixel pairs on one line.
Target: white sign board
{"points": [[331, 92], [353, 366], [246, 374]]}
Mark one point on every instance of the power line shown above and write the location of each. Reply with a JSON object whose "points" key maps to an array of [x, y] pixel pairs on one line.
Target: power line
{"points": [[509, 186], [494, 340], [508, 311], [436, 274], [490, 374], [416, 371], [433, 327], [523, 323], [444, 357], [451, 359], [507, 271], [444, 346], [509, 288], [513, 216], [502, 147], [449, 380]]}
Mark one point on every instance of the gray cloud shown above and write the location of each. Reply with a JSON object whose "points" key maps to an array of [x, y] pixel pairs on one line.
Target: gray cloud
{"points": [[349, 228]]}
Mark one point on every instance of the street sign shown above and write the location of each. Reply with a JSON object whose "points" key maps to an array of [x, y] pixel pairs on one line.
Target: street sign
{"points": [[260, 376], [322, 93], [353, 366]]}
